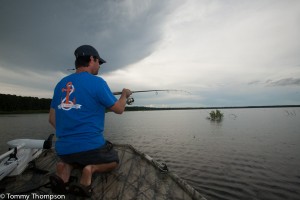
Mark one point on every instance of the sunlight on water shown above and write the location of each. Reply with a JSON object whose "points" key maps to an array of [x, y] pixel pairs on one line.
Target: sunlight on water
{"points": [[251, 154]]}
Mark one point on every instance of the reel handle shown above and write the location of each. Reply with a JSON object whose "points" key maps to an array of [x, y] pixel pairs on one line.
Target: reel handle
{"points": [[130, 100]]}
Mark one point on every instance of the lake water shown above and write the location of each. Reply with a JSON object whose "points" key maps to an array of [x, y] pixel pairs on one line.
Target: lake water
{"points": [[250, 154]]}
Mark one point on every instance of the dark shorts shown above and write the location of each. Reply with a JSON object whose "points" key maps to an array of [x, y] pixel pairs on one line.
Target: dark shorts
{"points": [[105, 154]]}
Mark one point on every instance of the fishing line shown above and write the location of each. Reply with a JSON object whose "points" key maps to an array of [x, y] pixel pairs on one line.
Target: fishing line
{"points": [[130, 100], [156, 91]]}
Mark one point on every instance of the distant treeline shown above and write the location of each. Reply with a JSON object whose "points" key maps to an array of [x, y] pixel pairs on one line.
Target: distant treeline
{"points": [[12, 103], [18, 104], [142, 108]]}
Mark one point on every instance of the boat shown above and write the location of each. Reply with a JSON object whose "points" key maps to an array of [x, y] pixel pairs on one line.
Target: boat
{"points": [[21, 153], [138, 176]]}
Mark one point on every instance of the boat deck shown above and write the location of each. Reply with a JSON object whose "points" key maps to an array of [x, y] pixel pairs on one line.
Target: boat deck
{"points": [[137, 177]]}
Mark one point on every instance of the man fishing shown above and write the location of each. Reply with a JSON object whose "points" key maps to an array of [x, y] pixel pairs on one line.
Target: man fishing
{"points": [[77, 113]]}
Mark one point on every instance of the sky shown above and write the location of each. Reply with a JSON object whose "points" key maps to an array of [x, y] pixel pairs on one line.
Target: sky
{"points": [[217, 52]]}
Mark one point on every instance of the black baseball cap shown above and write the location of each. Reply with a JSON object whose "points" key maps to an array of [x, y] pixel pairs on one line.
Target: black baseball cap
{"points": [[88, 50]]}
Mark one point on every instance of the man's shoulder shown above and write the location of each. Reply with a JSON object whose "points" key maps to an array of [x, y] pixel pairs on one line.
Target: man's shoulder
{"points": [[86, 76], [95, 78]]}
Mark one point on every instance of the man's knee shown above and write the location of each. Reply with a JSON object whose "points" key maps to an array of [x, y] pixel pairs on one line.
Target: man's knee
{"points": [[88, 169], [115, 165], [105, 167]]}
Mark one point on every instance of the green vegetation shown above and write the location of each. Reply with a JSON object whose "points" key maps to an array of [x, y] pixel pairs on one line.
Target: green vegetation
{"points": [[215, 115], [18, 104]]}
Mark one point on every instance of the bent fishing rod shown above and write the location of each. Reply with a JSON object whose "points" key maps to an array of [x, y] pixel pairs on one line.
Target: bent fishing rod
{"points": [[130, 100]]}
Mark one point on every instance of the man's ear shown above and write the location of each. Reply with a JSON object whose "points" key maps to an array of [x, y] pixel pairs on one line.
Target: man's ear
{"points": [[91, 59]]}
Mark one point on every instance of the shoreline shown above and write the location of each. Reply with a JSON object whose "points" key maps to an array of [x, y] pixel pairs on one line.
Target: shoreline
{"points": [[23, 112], [144, 108]]}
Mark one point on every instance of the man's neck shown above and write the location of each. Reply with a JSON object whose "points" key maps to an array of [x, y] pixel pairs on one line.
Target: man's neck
{"points": [[82, 69]]}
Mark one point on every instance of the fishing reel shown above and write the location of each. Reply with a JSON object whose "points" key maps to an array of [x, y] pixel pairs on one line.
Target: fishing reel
{"points": [[130, 100]]}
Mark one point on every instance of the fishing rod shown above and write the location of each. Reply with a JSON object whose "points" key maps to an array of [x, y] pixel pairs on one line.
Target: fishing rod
{"points": [[130, 100], [139, 91]]}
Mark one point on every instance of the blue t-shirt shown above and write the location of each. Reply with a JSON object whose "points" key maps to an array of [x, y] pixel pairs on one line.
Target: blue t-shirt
{"points": [[80, 101]]}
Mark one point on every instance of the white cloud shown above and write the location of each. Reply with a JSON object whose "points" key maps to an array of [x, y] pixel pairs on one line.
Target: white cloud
{"points": [[214, 49]]}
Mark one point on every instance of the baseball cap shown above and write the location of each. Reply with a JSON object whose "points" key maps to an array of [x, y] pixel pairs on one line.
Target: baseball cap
{"points": [[88, 50]]}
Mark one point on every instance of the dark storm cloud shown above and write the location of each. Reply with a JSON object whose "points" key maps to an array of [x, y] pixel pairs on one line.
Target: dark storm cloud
{"points": [[285, 82], [42, 35], [218, 46], [280, 82]]}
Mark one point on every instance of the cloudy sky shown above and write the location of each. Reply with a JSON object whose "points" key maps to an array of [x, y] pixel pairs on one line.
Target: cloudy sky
{"points": [[223, 52]]}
